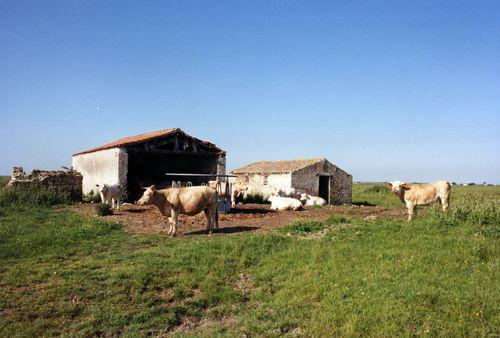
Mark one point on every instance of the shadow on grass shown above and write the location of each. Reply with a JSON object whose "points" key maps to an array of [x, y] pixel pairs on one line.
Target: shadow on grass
{"points": [[251, 209], [225, 230], [364, 204]]}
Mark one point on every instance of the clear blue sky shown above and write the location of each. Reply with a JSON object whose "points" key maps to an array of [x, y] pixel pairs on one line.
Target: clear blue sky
{"points": [[386, 90]]}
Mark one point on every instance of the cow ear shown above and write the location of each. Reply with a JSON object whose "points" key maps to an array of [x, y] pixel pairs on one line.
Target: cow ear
{"points": [[153, 187], [97, 185], [389, 185], [405, 186]]}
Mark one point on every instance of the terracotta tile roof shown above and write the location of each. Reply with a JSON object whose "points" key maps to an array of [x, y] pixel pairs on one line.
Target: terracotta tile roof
{"points": [[137, 139], [276, 167]]}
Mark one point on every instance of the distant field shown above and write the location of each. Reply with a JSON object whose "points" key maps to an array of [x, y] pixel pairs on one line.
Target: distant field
{"points": [[62, 273], [378, 194]]}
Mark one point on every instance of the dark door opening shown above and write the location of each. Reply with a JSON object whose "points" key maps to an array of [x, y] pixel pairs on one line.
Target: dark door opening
{"points": [[324, 187], [146, 168]]}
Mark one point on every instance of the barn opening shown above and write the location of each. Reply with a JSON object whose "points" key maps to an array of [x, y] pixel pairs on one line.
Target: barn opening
{"points": [[145, 169], [148, 163], [324, 187]]}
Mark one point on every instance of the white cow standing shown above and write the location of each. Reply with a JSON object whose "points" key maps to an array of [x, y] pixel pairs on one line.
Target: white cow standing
{"points": [[311, 201], [110, 193]]}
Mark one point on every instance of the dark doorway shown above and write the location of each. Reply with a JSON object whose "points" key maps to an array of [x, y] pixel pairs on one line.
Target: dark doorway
{"points": [[146, 168], [324, 187]]}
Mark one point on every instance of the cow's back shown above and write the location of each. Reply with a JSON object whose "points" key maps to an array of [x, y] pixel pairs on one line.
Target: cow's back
{"points": [[193, 200], [427, 193]]}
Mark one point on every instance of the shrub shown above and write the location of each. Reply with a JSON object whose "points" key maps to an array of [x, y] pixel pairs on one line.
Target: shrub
{"points": [[32, 196], [92, 198], [103, 209], [474, 210]]}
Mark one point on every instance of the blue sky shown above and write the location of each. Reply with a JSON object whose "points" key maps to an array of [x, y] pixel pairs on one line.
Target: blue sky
{"points": [[386, 90]]}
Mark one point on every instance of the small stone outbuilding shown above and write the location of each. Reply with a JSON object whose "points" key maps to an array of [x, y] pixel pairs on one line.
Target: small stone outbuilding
{"points": [[138, 161], [316, 176]]}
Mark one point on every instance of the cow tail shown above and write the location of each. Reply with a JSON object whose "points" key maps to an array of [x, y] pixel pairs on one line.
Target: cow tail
{"points": [[217, 218]]}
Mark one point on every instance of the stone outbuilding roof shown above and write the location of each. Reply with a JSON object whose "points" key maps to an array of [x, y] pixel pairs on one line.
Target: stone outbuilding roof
{"points": [[142, 138], [277, 167]]}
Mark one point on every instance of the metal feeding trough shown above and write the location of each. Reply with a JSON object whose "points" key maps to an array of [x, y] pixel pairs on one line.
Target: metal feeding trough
{"points": [[223, 188]]}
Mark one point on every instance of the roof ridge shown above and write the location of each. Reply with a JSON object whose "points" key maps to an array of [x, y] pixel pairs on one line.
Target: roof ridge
{"points": [[291, 160], [144, 137], [277, 166], [152, 132]]}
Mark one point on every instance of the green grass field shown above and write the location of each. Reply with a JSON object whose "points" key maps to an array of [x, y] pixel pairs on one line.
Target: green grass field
{"points": [[378, 194], [4, 180], [67, 274]]}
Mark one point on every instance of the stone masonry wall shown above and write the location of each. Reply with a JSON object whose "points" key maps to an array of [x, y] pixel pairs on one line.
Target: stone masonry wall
{"points": [[341, 187], [63, 181]]}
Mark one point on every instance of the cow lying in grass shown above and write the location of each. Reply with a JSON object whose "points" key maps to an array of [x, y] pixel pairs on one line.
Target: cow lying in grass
{"points": [[421, 194], [187, 201], [110, 194], [311, 201], [284, 203]]}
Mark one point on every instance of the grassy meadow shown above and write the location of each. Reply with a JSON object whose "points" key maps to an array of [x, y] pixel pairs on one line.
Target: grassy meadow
{"points": [[4, 180], [62, 273]]}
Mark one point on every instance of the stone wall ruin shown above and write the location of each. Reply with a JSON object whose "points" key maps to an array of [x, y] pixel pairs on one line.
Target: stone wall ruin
{"points": [[69, 181]]}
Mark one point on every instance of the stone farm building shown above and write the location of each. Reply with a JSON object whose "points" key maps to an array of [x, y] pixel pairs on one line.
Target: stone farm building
{"points": [[315, 176], [138, 161]]}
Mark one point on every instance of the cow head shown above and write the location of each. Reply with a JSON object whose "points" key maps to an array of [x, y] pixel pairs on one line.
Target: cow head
{"points": [[102, 188], [275, 193], [397, 186], [303, 197], [147, 197]]}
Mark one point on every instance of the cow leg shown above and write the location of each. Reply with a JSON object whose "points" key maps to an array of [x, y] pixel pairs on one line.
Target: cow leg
{"points": [[411, 211], [207, 216], [174, 223], [445, 202], [113, 203], [169, 225]]}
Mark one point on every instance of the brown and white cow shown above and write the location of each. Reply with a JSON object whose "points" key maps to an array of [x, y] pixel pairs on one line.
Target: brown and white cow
{"points": [[421, 194], [237, 190], [187, 201]]}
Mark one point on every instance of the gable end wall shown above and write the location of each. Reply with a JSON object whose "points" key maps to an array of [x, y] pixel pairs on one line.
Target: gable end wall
{"points": [[102, 167]]}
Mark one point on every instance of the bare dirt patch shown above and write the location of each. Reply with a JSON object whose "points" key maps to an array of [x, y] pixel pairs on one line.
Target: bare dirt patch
{"points": [[190, 324], [245, 284], [244, 218]]}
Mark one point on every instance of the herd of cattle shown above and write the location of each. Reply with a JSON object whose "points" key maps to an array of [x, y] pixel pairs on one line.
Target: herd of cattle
{"points": [[196, 199]]}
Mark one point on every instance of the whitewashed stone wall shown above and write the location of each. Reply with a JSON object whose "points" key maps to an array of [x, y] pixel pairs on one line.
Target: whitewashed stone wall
{"points": [[102, 167], [255, 182]]}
